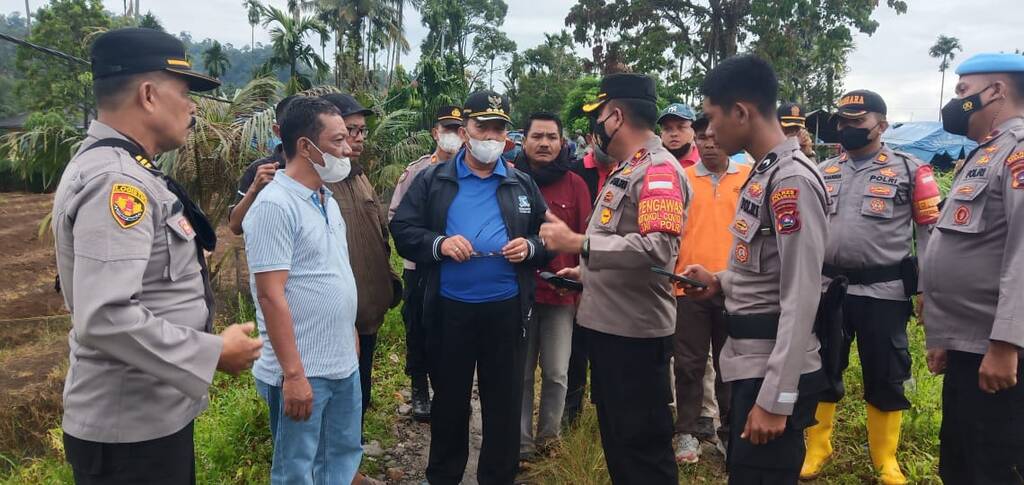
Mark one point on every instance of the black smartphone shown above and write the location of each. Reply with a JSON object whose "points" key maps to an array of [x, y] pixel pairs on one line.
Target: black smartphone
{"points": [[561, 282], [678, 278]]}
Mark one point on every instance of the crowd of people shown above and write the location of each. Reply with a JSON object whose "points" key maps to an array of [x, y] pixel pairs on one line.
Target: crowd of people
{"points": [[661, 263]]}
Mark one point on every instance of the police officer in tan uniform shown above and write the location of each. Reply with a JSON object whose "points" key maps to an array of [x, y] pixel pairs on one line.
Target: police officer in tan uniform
{"points": [[129, 258], [627, 310], [973, 275], [446, 134], [882, 202], [772, 284]]}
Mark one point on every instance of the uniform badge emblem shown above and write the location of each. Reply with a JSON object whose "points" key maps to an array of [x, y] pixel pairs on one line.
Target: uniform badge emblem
{"points": [[983, 160], [962, 215], [186, 227], [1018, 177], [877, 206], [127, 204], [741, 226], [880, 190], [882, 158], [524, 204], [888, 172], [991, 149], [608, 196], [832, 169], [787, 219], [767, 163], [742, 253], [830, 188], [755, 191], [606, 215], [495, 102]]}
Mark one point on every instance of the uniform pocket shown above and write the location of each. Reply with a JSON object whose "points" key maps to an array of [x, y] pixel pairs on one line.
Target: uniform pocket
{"points": [[747, 255], [878, 201], [964, 209], [899, 365], [181, 248]]}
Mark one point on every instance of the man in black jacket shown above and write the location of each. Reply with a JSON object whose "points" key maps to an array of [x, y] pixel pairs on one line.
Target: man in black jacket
{"points": [[470, 225]]}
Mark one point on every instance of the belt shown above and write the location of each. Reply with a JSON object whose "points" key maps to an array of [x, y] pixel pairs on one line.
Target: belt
{"points": [[865, 276], [763, 326]]}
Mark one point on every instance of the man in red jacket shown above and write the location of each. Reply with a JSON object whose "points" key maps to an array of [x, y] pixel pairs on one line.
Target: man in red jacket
{"points": [[545, 157]]}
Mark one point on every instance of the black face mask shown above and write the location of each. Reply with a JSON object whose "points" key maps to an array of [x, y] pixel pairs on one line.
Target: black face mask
{"points": [[956, 114], [604, 140], [683, 150], [854, 138]]}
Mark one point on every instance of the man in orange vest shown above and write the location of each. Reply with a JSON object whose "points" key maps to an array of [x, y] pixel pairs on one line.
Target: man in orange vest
{"points": [[706, 240]]}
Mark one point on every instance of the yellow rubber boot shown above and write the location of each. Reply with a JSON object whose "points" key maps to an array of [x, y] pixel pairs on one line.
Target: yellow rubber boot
{"points": [[883, 439], [819, 441]]}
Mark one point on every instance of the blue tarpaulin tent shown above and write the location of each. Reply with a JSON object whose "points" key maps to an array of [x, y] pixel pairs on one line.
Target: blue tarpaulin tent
{"points": [[928, 141]]}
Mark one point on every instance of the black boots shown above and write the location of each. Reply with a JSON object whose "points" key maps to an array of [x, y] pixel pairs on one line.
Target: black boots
{"points": [[420, 399]]}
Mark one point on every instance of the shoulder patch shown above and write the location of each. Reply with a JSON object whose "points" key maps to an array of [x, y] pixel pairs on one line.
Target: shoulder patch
{"points": [[127, 204], [660, 208], [784, 207], [1015, 157]]}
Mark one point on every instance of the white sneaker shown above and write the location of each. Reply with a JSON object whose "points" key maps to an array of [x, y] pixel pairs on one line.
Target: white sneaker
{"points": [[687, 448]]}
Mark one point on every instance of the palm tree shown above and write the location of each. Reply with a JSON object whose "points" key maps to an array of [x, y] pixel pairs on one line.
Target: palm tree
{"points": [[945, 48], [255, 11], [289, 48], [215, 60]]}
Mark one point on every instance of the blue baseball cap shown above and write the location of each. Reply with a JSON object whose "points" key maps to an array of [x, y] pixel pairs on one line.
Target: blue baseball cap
{"points": [[991, 62], [678, 110]]}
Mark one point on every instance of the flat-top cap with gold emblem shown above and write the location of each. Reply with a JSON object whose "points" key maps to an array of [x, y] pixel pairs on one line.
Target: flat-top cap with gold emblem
{"points": [[792, 114], [623, 86], [449, 115], [128, 51], [860, 102], [487, 105]]}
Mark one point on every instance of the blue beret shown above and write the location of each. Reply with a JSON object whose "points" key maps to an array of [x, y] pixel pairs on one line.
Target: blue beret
{"points": [[991, 62]]}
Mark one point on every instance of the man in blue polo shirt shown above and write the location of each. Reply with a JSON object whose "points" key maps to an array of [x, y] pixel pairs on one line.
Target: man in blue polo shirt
{"points": [[470, 225], [305, 297]]}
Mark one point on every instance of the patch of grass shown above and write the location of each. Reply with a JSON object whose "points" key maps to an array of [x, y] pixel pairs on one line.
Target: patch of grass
{"points": [[580, 460]]}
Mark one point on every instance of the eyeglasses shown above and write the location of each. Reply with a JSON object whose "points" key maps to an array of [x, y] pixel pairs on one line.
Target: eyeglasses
{"points": [[355, 131]]}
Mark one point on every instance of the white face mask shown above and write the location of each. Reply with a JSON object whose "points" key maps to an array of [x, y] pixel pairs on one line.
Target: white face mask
{"points": [[449, 142], [486, 151], [335, 169]]}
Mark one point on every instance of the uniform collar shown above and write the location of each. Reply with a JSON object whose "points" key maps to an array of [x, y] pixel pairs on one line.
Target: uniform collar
{"points": [[462, 170], [293, 186], [100, 130], [1003, 127], [791, 144], [703, 171]]}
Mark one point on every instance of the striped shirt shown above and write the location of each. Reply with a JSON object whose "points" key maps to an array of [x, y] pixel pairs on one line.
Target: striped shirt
{"points": [[288, 229]]}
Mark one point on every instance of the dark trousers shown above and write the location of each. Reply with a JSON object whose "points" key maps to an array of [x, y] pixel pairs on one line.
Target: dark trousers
{"points": [[163, 461], [880, 327], [777, 462], [415, 337], [700, 326], [488, 338], [981, 441], [577, 374], [367, 346], [631, 390]]}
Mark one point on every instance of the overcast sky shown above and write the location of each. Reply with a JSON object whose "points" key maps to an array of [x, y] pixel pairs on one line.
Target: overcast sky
{"points": [[894, 61]]}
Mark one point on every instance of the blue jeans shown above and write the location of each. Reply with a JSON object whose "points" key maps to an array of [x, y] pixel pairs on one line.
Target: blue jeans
{"points": [[326, 449]]}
